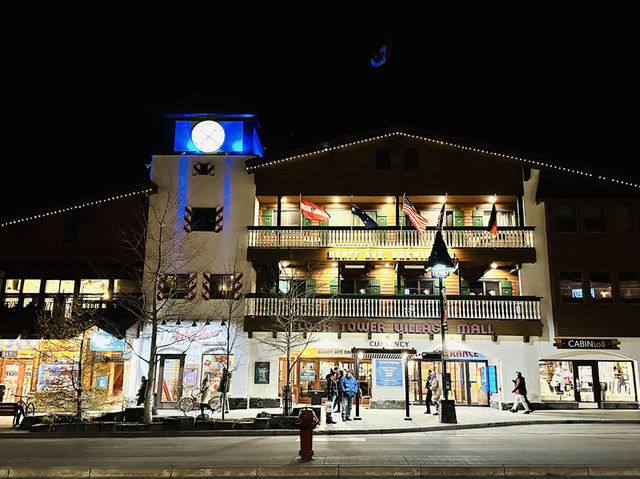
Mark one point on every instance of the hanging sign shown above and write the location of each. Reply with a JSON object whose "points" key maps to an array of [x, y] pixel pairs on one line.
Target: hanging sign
{"points": [[574, 343]]}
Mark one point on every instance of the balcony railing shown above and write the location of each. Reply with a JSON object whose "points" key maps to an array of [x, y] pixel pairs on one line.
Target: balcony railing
{"points": [[397, 307], [386, 237]]}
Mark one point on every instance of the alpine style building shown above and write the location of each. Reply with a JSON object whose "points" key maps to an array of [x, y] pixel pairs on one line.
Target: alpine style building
{"points": [[322, 240]]}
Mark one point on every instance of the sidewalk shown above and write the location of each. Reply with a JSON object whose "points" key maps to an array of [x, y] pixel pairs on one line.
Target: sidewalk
{"points": [[380, 421]]}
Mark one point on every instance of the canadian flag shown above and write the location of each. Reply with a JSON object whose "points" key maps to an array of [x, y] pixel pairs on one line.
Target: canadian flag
{"points": [[312, 211]]}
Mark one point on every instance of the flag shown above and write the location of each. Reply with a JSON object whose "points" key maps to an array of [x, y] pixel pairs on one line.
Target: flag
{"points": [[312, 211], [382, 56], [441, 218], [366, 219], [493, 221], [418, 221], [445, 310]]}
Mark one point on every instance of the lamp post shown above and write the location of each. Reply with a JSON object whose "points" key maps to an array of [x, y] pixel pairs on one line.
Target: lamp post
{"points": [[440, 264]]}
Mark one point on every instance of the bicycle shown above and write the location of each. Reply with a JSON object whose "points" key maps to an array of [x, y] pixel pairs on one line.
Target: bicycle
{"points": [[191, 402], [21, 409]]}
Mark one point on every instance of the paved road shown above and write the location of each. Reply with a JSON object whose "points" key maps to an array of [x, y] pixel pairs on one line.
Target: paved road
{"points": [[567, 444]]}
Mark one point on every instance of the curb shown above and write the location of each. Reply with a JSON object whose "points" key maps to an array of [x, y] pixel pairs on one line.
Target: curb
{"points": [[295, 432], [326, 471]]}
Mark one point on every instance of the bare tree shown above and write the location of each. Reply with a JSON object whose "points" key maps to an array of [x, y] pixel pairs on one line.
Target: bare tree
{"points": [[296, 318]]}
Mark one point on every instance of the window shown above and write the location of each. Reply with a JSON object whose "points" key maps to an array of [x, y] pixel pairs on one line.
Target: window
{"points": [[355, 286], [571, 287], [556, 381], [12, 286], [622, 217], [57, 286], [203, 219], [383, 160], [565, 218], [492, 288], [616, 381], [600, 287], [411, 159], [175, 286], [203, 168], [593, 217], [31, 286], [480, 288], [629, 287], [419, 287], [221, 286], [126, 286], [299, 286]]}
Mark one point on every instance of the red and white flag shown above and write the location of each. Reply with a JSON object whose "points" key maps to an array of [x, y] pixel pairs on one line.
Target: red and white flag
{"points": [[418, 221], [312, 211]]}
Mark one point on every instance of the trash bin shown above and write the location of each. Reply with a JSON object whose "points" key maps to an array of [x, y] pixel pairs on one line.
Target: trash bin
{"points": [[316, 398]]}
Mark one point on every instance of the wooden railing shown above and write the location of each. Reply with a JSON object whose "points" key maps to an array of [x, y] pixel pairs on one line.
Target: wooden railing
{"points": [[422, 307], [344, 237]]}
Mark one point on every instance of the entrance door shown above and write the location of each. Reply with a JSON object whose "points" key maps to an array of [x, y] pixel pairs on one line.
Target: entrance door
{"points": [[587, 384], [169, 380], [16, 376], [467, 384]]}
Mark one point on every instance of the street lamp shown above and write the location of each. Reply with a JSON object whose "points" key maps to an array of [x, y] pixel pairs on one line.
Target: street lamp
{"points": [[441, 265]]}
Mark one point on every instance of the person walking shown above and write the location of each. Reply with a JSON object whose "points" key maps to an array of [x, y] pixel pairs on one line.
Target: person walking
{"points": [[206, 393], [520, 390], [435, 392], [338, 401], [349, 390], [332, 392], [427, 386], [142, 391], [223, 389]]}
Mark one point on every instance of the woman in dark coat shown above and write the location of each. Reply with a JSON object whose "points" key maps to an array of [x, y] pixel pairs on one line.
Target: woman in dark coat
{"points": [[338, 400], [429, 398], [142, 391]]}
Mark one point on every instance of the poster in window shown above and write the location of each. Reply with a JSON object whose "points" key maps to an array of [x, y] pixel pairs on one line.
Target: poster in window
{"points": [[102, 382], [262, 370]]}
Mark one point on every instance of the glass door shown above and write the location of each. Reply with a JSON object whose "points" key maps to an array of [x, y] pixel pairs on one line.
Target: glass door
{"points": [[478, 392], [587, 387], [169, 380]]}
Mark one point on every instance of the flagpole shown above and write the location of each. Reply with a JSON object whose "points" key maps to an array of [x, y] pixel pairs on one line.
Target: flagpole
{"points": [[351, 217], [300, 199]]}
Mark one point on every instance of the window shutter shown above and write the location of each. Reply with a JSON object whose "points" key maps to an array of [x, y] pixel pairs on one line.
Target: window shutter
{"points": [[382, 220], [464, 287], [324, 223], [267, 218], [187, 219], [458, 218], [478, 217], [436, 287], [311, 286], [506, 288], [374, 286], [306, 222], [333, 286], [398, 290]]}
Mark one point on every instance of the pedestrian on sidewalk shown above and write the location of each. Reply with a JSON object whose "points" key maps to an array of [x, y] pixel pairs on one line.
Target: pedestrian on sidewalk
{"points": [[427, 386], [206, 393], [338, 400], [142, 391], [332, 392], [349, 390], [223, 389], [520, 390], [435, 392]]}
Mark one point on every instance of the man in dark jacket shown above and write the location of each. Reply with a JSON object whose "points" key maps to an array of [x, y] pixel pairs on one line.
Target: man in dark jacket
{"points": [[429, 397], [520, 390], [349, 390], [332, 392]]}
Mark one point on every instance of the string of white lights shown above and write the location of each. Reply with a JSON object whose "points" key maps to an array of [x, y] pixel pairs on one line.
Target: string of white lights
{"points": [[75, 207], [447, 143]]}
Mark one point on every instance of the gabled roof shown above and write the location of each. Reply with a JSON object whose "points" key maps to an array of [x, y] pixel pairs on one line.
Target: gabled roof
{"points": [[527, 159]]}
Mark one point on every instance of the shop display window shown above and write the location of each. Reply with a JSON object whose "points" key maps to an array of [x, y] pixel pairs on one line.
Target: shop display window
{"points": [[616, 381], [213, 364], [556, 381], [600, 287], [630, 287], [56, 376]]}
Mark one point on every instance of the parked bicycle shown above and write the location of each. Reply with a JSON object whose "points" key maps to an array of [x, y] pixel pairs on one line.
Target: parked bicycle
{"points": [[24, 407], [192, 401]]}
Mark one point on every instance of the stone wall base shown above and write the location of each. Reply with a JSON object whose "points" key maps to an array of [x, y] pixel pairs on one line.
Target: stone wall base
{"points": [[387, 404]]}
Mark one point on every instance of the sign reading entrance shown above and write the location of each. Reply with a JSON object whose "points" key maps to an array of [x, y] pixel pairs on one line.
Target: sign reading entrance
{"points": [[574, 343], [388, 372]]}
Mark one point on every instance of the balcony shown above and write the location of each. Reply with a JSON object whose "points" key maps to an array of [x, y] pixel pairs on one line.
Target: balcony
{"points": [[387, 237], [515, 308]]}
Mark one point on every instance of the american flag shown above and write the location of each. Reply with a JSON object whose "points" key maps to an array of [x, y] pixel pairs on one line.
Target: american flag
{"points": [[441, 218], [418, 221], [445, 313]]}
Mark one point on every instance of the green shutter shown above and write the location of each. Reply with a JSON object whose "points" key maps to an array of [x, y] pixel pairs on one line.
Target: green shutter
{"points": [[323, 223], [374, 286], [333, 286], [311, 286], [399, 290], [436, 287], [506, 288], [458, 218], [478, 217], [464, 287], [382, 220], [306, 222], [267, 218]]}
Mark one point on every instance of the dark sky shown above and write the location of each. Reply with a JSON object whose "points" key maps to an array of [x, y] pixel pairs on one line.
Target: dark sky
{"points": [[85, 100]]}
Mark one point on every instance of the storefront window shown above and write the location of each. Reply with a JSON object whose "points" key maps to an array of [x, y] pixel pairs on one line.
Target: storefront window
{"points": [[571, 287], [600, 287], [616, 381], [630, 287], [556, 381], [213, 364]]}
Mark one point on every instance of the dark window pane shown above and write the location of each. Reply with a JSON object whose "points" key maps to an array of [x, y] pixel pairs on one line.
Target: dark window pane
{"points": [[593, 217], [476, 288], [175, 286], [571, 287], [492, 288], [565, 218], [600, 287], [630, 287], [221, 286], [203, 219], [622, 217], [411, 159], [383, 160]]}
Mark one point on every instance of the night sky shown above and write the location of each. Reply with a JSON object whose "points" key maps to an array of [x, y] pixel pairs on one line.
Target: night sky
{"points": [[85, 101]]}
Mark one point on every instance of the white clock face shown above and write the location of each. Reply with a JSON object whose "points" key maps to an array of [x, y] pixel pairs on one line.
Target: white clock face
{"points": [[208, 136]]}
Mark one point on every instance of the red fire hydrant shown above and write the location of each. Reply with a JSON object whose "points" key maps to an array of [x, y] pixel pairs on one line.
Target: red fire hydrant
{"points": [[307, 421]]}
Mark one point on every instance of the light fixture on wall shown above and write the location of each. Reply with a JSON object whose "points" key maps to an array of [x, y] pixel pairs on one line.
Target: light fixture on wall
{"points": [[494, 265], [178, 322], [164, 322], [493, 199]]}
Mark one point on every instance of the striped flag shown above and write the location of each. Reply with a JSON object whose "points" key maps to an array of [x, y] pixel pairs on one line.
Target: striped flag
{"points": [[418, 221], [312, 211], [441, 218]]}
